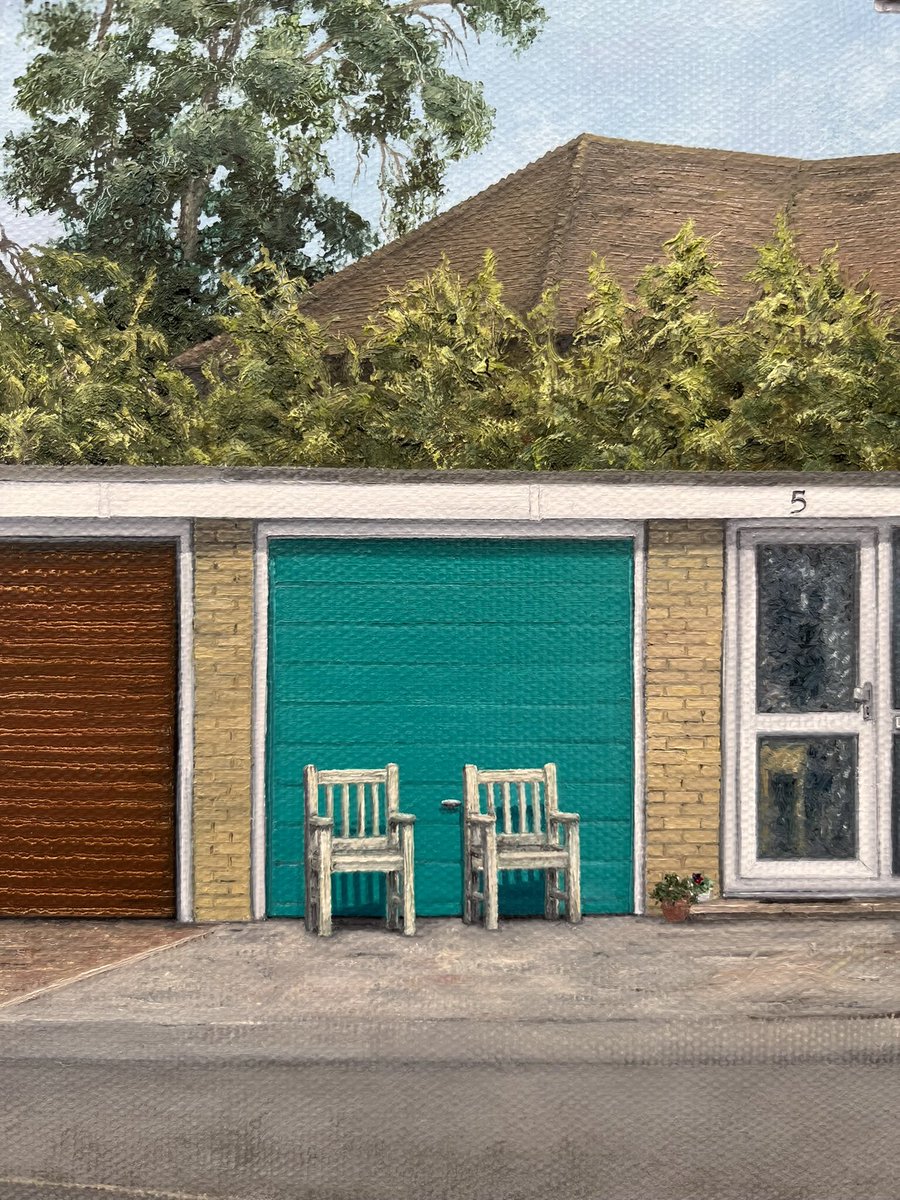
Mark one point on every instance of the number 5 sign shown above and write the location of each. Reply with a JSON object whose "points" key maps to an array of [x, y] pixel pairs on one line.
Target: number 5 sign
{"points": [[798, 500]]}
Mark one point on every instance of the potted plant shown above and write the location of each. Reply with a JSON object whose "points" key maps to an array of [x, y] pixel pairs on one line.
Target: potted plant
{"points": [[676, 893]]}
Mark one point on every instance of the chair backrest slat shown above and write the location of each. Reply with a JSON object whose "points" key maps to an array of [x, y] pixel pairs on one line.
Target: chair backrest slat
{"points": [[507, 810], [523, 807], [376, 815], [551, 800], [532, 820], [513, 775], [369, 821]]}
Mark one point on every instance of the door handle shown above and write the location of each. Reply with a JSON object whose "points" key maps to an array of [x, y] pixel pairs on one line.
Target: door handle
{"points": [[862, 698], [450, 804]]}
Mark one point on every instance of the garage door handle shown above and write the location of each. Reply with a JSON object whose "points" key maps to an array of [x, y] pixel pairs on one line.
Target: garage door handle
{"points": [[450, 804]]}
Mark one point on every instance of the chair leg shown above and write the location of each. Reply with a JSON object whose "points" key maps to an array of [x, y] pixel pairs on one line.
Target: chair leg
{"points": [[573, 876], [323, 897], [467, 881], [393, 900], [310, 883], [551, 902], [408, 881], [489, 887], [309, 910], [470, 885], [470, 906]]}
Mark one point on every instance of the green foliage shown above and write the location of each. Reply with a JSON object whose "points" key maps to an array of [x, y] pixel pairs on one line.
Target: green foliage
{"points": [[447, 376], [83, 378], [187, 135], [276, 396], [673, 887], [816, 374]]}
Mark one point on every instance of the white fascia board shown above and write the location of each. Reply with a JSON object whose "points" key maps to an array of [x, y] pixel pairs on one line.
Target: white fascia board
{"points": [[49, 499], [717, 501], [511, 501], [261, 501]]}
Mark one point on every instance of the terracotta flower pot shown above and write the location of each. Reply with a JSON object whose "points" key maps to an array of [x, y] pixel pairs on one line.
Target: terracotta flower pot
{"points": [[676, 910]]}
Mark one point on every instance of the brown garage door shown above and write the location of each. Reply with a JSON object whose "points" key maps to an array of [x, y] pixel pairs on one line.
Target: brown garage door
{"points": [[88, 664]]}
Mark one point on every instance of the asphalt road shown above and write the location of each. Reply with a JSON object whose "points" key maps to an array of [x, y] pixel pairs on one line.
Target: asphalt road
{"points": [[155, 1130]]}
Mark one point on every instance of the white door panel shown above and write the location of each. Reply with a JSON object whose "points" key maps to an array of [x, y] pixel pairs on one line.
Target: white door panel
{"points": [[808, 814]]}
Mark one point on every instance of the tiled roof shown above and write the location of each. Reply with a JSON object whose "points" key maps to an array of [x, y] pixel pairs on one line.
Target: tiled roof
{"points": [[622, 200]]}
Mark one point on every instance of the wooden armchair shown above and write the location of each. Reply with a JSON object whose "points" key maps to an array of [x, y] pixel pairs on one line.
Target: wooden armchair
{"points": [[372, 837], [517, 835]]}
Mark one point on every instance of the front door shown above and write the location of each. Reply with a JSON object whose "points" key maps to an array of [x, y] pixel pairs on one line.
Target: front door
{"points": [[808, 687], [432, 653]]}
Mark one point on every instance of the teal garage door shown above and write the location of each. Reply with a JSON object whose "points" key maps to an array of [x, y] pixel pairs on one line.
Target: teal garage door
{"points": [[434, 653]]}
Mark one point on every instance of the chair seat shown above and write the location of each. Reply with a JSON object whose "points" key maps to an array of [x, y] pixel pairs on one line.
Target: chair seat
{"points": [[514, 857], [387, 860], [522, 841]]}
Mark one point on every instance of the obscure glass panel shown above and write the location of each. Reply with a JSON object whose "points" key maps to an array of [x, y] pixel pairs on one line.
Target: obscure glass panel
{"points": [[895, 805], [806, 799], [806, 627], [895, 618]]}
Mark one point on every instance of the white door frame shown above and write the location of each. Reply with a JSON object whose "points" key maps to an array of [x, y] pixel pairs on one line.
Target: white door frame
{"points": [[871, 873], [406, 528], [63, 529]]}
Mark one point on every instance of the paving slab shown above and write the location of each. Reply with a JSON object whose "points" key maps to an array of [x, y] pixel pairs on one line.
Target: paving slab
{"points": [[606, 969], [39, 955]]}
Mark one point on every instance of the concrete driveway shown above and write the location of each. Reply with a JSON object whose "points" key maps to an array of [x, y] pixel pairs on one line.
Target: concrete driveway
{"points": [[623, 1059], [621, 970], [39, 954]]}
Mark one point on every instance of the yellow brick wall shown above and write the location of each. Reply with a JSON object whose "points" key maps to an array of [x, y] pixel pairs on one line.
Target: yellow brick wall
{"points": [[223, 672], [685, 575]]}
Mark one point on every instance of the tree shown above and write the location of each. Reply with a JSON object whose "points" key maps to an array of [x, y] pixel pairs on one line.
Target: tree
{"points": [[447, 376], [816, 382], [187, 135], [78, 385]]}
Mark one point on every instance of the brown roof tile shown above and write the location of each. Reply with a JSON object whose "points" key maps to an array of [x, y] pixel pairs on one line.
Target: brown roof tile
{"points": [[622, 200]]}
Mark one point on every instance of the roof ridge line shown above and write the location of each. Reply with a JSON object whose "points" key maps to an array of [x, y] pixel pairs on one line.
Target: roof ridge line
{"points": [[566, 221], [687, 149], [323, 286], [796, 185]]}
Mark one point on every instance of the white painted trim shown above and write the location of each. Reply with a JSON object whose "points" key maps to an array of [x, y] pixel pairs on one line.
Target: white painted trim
{"points": [[374, 528], [259, 714], [605, 530], [74, 528], [534, 498], [639, 737], [883, 700], [845, 879], [731, 689], [63, 529], [186, 702]]}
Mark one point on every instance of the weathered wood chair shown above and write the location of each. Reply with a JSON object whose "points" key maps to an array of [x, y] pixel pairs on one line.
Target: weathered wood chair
{"points": [[375, 837], [517, 834]]}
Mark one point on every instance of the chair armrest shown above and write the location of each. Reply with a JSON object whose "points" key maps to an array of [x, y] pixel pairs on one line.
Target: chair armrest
{"points": [[563, 818], [480, 819], [321, 822], [401, 819]]}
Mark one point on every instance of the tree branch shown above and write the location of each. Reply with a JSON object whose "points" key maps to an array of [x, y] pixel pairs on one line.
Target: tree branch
{"points": [[105, 21], [410, 8], [189, 216], [13, 268]]}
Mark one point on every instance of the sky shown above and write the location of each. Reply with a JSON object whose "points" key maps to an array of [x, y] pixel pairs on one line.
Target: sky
{"points": [[803, 78]]}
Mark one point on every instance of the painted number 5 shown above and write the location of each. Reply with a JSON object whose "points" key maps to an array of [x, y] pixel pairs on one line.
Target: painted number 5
{"points": [[798, 500]]}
